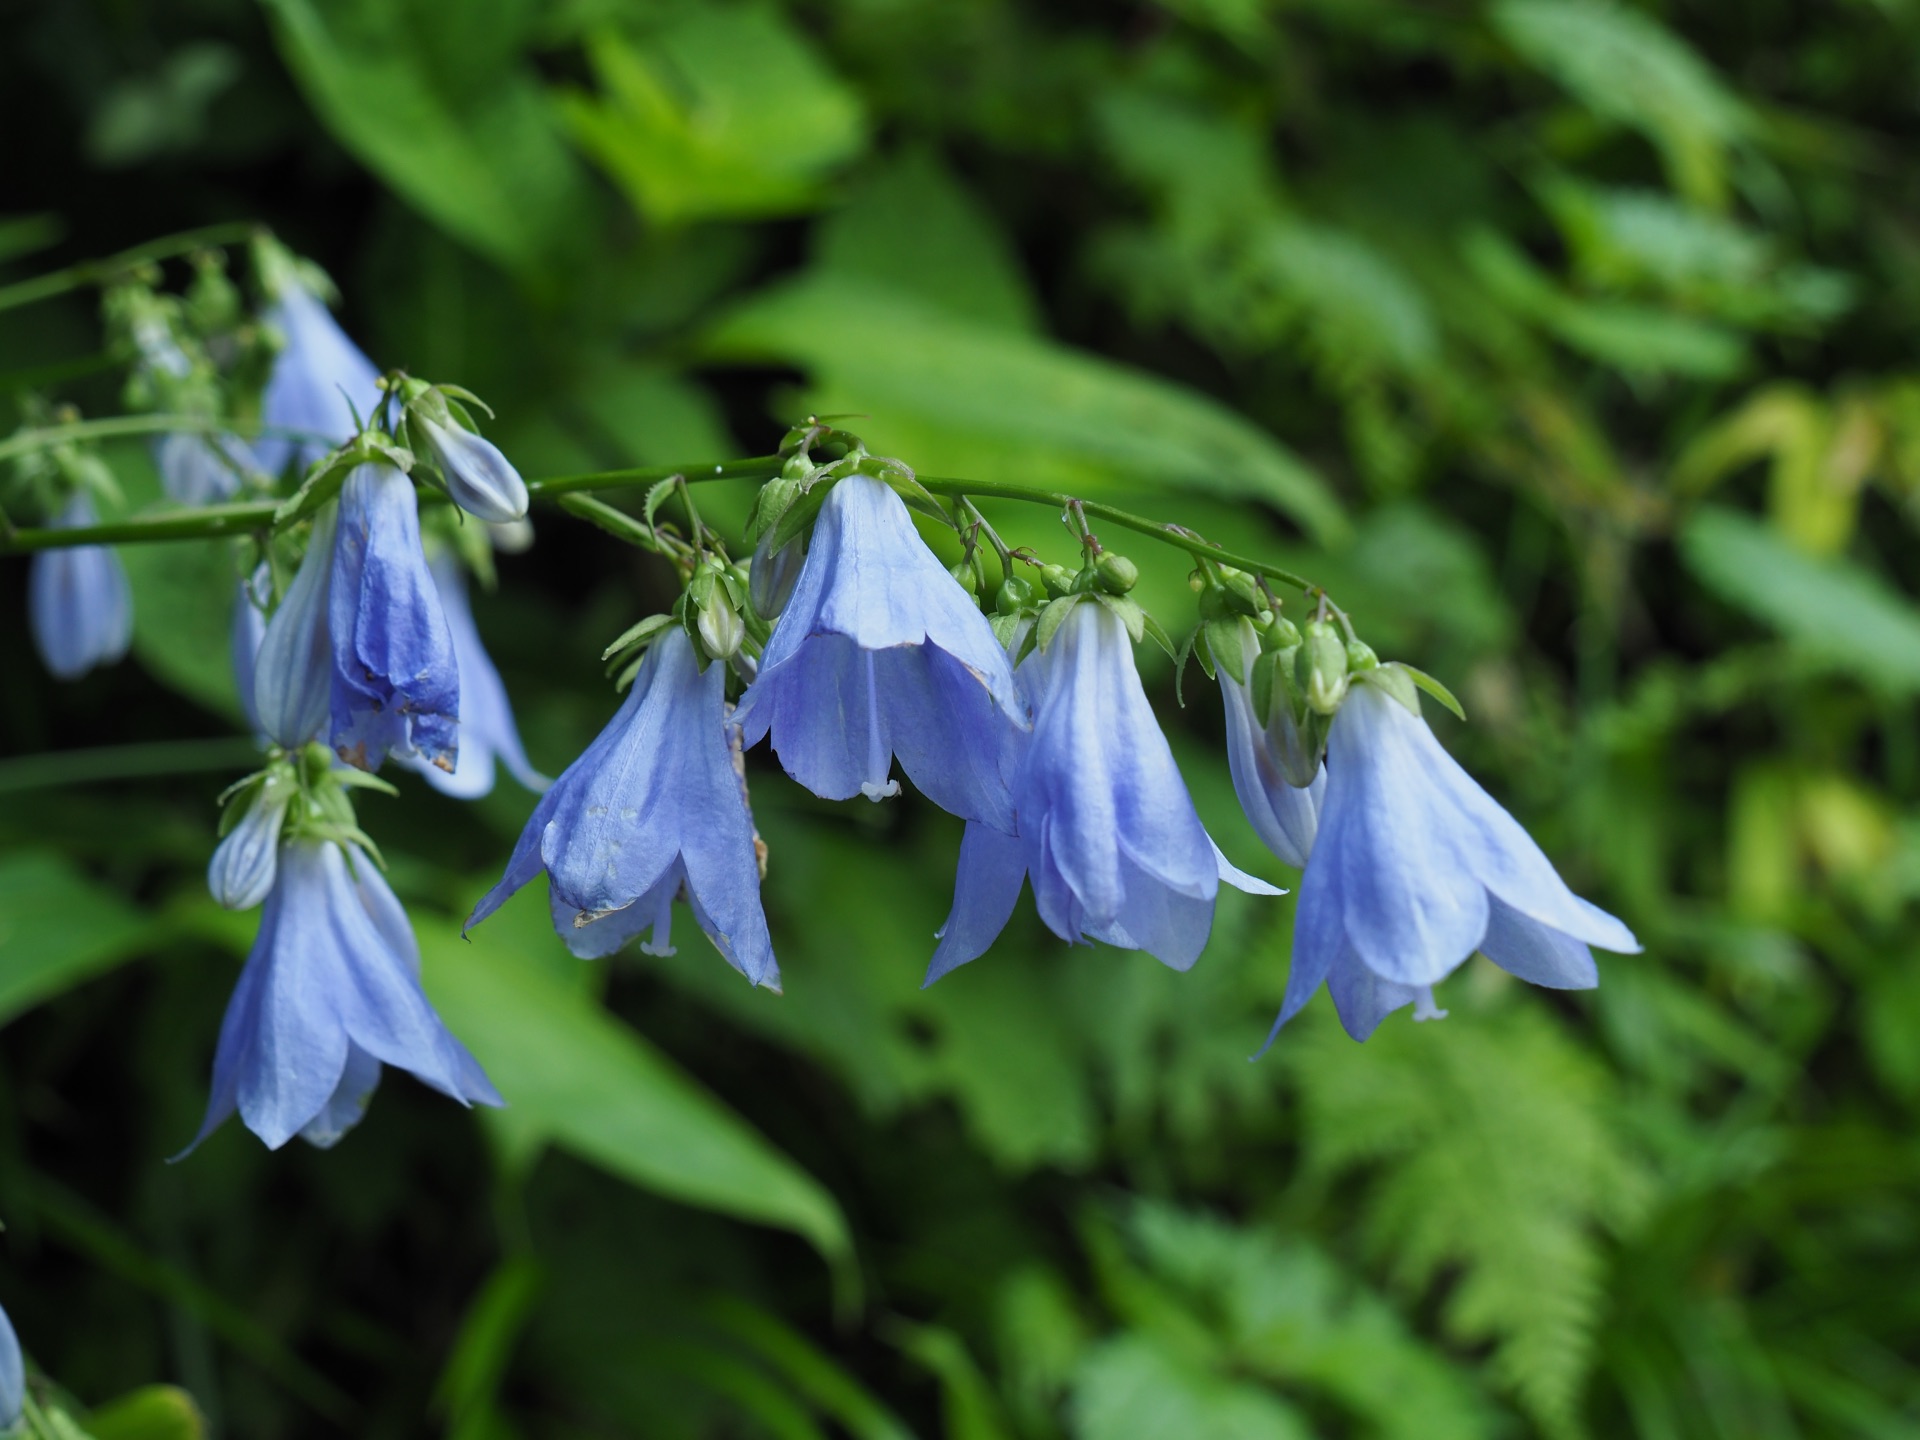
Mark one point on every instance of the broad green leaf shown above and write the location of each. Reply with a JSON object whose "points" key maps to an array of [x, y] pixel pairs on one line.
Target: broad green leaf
{"points": [[1625, 66], [601, 1090], [183, 598], [1130, 1388], [726, 111], [1833, 606], [487, 164], [57, 928], [966, 398], [156, 1412]]}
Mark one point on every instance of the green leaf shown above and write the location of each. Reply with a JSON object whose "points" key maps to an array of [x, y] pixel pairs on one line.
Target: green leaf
{"points": [[154, 1412], [183, 598], [961, 397], [486, 164], [1051, 619], [57, 928], [602, 1091], [726, 111], [1130, 1388], [1834, 607]]}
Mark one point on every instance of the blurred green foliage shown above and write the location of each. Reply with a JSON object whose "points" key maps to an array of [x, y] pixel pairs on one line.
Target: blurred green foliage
{"points": [[1567, 341]]}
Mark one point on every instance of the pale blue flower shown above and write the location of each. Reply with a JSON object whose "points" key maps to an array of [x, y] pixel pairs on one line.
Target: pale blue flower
{"points": [[1106, 829], [396, 683], [200, 469], [479, 478], [79, 605], [243, 867], [13, 1374], [330, 993], [1413, 869], [292, 669], [1283, 815], [244, 635], [487, 730], [654, 809], [319, 380], [879, 653]]}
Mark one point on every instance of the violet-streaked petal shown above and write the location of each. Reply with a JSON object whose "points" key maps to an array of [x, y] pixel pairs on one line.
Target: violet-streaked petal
{"points": [[1537, 953], [986, 887], [293, 671], [243, 867], [480, 479]]}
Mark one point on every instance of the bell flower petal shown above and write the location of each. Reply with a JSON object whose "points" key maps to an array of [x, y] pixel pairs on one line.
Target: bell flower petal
{"points": [[879, 653], [332, 985], [655, 808], [1284, 816], [200, 469], [396, 682], [79, 605], [293, 668], [319, 380], [13, 1374], [487, 729]]}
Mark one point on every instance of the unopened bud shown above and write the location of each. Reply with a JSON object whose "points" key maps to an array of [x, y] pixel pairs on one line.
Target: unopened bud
{"points": [[243, 868], [1117, 574], [1283, 634], [1360, 657], [721, 629], [965, 578], [771, 577], [1057, 578], [1013, 596], [1322, 667], [480, 479]]}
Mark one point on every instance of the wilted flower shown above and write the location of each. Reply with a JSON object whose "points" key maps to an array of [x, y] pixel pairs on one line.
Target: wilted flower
{"points": [[292, 672], [13, 1374], [78, 601], [1282, 814], [654, 809], [1413, 869], [1107, 830], [241, 873], [486, 719], [200, 469], [319, 380], [879, 653], [479, 478], [330, 993], [396, 683]]}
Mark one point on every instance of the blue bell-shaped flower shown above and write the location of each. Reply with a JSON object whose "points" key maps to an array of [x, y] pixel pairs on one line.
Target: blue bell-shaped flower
{"points": [[396, 682], [319, 380], [200, 469], [654, 809], [330, 993], [879, 653], [1415, 867], [13, 1375], [1285, 816], [79, 605], [1106, 829], [487, 730], [292, 668]]}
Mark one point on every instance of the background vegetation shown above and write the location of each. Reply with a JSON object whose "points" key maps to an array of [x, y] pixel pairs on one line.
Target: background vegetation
{"points": [[1568, 342]]}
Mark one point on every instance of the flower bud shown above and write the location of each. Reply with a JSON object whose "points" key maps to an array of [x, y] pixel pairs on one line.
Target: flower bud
{"points": [[721, 628], [1013, 596], [964, 577], [479, 478], [771, 577], [293, 673], [1360, 657], [1117, 574], [242, 870], [512, 537], [1057, 578], [1282, 633], [1322, 666]]}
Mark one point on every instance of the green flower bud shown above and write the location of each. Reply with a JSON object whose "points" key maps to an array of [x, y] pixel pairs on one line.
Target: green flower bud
{"points": [[1360, 657], [1283, 634], [721, 630], [1117, 574], [1013, 596], [963, 576], [1322, 667], [1058, 579]]}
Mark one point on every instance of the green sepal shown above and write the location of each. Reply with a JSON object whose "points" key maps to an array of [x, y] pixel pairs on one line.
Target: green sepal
{"points": [[1261, 681], [1199, 647], [1051, 617], [1004, 627], [917, 496], [1157, 633], [656, 494], [1432, 686], [1224, 645], [800, 515], [352, 779], [625, 677], [1395, 680], [1128, 611]]}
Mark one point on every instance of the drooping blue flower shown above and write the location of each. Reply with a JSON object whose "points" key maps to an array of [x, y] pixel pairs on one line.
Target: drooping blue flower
{"points": [[1106, 829], [480, 479], [654, 809], [396, 682], [78, 602], [1285, 816], [319, 380], [200, 469], [879, 653], [330, 993], [13, 1375], [1413, 869], [487, 730], [292, 667]]}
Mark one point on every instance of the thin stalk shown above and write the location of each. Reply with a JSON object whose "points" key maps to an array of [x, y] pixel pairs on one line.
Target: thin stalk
{"points": [[112, 427], [92, 272], [760, 467], [125, 762]]}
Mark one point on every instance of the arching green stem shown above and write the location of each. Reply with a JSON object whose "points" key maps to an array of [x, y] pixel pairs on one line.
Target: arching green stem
{"points": [[93, 272]]}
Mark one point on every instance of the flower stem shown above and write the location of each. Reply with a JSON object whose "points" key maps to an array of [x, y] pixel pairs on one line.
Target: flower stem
{"points": [[125, 762], [92, 272]]}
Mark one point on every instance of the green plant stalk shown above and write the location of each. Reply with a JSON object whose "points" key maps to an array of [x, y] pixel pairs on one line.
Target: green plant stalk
{"points": [[216, 520], [92, 272]]}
